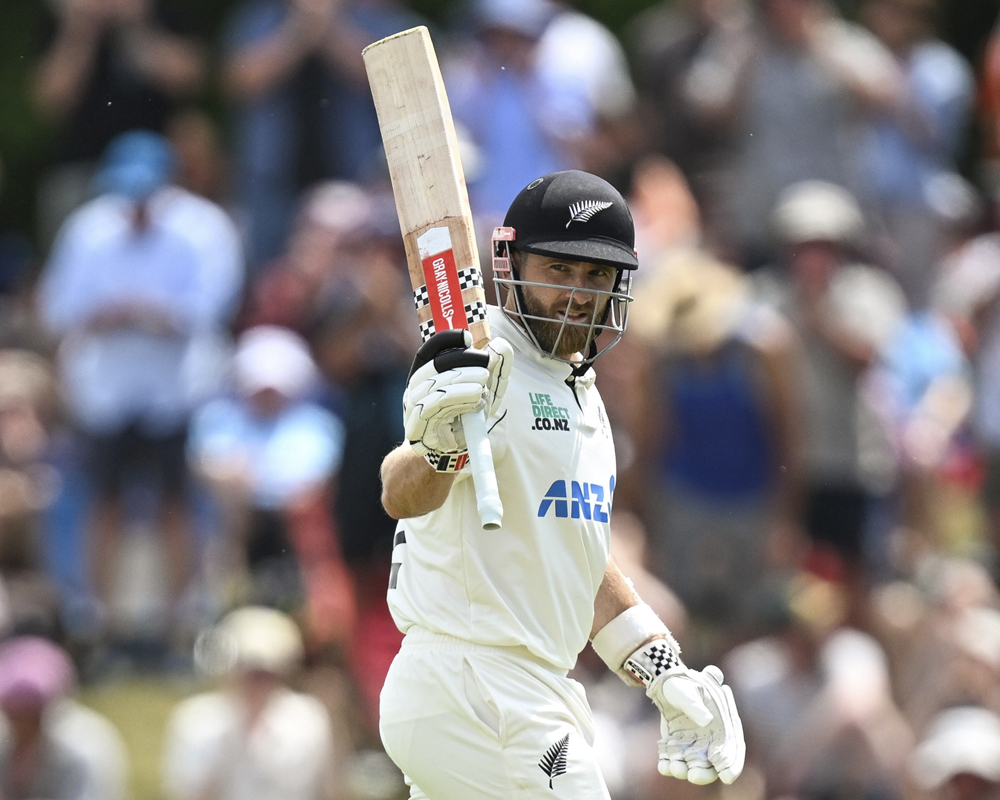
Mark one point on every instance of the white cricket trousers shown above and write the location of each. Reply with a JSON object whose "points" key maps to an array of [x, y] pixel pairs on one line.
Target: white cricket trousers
{"points": [[469, 722]]}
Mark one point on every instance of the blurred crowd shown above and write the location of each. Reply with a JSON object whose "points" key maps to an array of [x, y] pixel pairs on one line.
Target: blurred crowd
{"points": [[204, 345]]}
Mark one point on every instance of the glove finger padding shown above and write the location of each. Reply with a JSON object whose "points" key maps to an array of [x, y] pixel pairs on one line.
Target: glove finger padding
{"points": [[446, 395], [433, 405], [501, 363], [450, 378], [700, 752], [677, 692]]}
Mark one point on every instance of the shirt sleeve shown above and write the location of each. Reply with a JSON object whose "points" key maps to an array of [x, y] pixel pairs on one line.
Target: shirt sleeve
{"points": [[221, 266], [64, 297]]}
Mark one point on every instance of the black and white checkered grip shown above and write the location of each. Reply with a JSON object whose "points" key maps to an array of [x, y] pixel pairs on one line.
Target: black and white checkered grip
{"points": [[421, 297], [474, 312], [426, 330], [651, 660], [468, 278]]}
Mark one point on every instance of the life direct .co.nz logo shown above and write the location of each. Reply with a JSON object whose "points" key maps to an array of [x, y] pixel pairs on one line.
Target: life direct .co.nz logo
{"points": [[587, 500], [548, 416]]}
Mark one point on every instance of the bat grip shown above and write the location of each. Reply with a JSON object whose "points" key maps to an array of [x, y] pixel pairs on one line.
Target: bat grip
{"points": [[484, 477]]}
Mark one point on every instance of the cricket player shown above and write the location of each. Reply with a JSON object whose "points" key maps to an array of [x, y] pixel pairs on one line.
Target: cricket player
{"points": [[477, 703]]}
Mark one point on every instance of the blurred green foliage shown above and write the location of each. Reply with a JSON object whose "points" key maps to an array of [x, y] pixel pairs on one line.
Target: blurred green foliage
{"points": [[26, 141]]}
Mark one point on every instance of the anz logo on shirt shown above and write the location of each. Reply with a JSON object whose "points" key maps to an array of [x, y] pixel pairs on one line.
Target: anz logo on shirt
{"points": [[582, 500]]}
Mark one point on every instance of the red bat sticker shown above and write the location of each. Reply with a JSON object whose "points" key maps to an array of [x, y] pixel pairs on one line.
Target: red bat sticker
{"points": [[441, 276]]}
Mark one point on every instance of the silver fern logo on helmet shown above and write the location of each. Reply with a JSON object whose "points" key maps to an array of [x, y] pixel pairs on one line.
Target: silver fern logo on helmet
{"points": [[585, 209]]}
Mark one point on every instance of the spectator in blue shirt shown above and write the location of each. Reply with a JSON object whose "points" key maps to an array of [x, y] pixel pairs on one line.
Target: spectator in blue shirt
{"points": [[269, 455], [139, 280], [912, 151], [304, 112]]}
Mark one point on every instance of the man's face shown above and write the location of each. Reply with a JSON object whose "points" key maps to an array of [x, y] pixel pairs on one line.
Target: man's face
{"points": [[966, 786], [267, 403], [792, 20], [813, 265], [571, 296], [897, 23]]}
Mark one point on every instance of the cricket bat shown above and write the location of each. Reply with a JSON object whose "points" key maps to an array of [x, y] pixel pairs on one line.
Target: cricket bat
{"points": [[432, 203]]}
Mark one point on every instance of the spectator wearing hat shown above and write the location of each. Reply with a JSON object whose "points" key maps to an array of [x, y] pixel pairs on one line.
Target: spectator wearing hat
{"points": [[108, 66], [255, 738], [959, 755], [911, 156], [50, 745], [725, 452], [845, 314], [270, 454], [796, 89], [363, 332], [140, 280]]}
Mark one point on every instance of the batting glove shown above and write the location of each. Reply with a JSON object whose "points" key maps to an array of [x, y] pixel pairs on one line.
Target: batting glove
{"points": [[702, 736], [450, 378]]}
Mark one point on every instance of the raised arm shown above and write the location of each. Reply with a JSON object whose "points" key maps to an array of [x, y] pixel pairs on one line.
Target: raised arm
{"points": [[448, 378], [66, 66], [410, 486]]}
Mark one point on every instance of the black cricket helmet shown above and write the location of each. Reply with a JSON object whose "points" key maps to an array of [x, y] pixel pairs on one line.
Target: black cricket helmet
{"points": [[579, 217]]}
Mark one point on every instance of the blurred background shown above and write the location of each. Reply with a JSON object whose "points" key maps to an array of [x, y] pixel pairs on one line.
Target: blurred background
{"points": [[206, 325]]}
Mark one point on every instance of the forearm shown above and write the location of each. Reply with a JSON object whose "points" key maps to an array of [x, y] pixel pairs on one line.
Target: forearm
{"points": [[858, 353], [410, 486], [342, 50], [64, 70], [615, 596], [781, 363], [173, 63], [259, 67]]}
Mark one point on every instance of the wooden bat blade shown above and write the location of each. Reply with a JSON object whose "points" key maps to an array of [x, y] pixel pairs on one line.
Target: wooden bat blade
{"points": [[428, 183], [432, 203]]}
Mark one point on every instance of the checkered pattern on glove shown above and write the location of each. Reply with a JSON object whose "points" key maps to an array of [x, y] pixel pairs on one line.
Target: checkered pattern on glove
{"points": [[646, 663]]}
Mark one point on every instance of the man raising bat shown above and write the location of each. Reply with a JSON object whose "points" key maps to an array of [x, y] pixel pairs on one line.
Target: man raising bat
{"points": [[477, 703]]}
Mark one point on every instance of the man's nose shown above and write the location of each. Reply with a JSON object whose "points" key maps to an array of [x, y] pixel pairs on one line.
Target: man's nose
{"points": [[580, 288]]}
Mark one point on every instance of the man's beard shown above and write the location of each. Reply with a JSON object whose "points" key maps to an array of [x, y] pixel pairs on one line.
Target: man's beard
{"points": [[575, 336]]}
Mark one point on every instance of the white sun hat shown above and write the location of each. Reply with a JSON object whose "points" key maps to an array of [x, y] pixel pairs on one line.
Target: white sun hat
{"points": [[960, 740]]}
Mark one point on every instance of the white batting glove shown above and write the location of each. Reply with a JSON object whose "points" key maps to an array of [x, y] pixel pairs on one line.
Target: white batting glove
{"points": [[450, 378], [702, 736]]}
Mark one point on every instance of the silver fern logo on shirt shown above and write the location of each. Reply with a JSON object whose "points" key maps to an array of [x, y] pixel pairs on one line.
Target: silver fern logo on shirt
{"points": [[584, 210], [553, 763]]}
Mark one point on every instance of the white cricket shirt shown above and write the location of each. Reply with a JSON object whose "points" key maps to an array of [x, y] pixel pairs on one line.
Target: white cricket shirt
{"points": [[533, 582]]}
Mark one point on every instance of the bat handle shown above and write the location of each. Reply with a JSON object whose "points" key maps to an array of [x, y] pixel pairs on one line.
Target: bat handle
{"points": [[483, 475]]}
